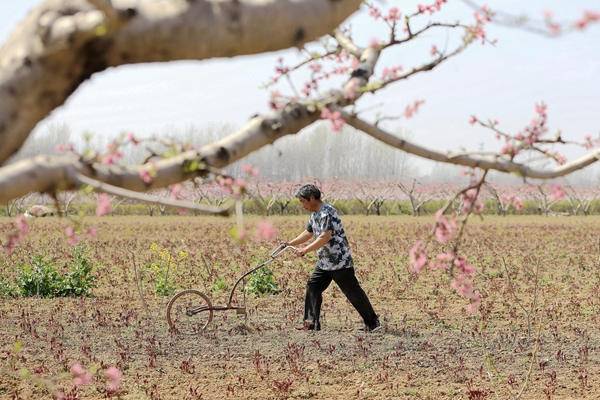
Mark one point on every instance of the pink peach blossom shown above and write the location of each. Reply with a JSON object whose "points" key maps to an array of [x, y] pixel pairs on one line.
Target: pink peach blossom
{"points": [[335, 117], [132, 139], [80, 375], [443, 261], [475, 303], [92, 231], [145, 175], [393, 15], [389, 73], [249, 170], [315, 67], [444, 228], [557, 192], [71, 235], [517, 203], [103, 205], [351, 88], [412, 109], [175, 191], [463, 268], [63, 148], [266, 231], [374, 12], [417, 257], [113, 377]]}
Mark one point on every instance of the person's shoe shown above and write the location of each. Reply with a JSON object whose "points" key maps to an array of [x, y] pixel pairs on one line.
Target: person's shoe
{"points": [[307, 326], [375, 328]]}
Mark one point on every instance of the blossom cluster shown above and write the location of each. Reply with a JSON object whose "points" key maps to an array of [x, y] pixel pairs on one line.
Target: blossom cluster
{"points": [[431, 8], [513, 200], [483, 16], [445, 230], [80, 376], [21, 229], [335, 117], [393, 14], [413, 108]]}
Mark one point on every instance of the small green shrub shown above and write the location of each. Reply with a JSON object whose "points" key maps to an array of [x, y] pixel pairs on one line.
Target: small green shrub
{"points": [[262, 282], [78, 281], [41, 278], [163, 286]]}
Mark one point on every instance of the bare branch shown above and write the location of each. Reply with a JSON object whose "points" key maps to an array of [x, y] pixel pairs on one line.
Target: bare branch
{"points": [[544, 28], [413, 35], [423, 68], [489, 163], [148, 198]]}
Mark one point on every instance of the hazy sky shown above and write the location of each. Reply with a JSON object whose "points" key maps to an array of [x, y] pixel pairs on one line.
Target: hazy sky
{"points": [[504, 82]]}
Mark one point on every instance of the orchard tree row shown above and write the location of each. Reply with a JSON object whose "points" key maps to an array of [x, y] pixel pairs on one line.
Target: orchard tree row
{"points": [[350, 197]]}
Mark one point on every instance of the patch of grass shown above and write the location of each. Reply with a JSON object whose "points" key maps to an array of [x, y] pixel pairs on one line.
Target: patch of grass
{"points": [[220, 285], [7, 289]]}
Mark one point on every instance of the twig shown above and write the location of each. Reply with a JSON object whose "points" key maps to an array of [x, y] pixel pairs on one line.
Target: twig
{"points": [[138, 284], [532, 361], [148, 198], [510, 285]]}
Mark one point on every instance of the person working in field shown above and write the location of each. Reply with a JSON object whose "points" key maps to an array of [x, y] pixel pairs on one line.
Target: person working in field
{"points": [[334, 261]]}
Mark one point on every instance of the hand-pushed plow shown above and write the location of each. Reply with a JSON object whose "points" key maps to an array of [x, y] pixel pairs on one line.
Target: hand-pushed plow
{"points": [[190, 311]]}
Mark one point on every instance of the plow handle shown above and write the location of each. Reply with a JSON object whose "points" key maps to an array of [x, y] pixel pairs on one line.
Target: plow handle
{"points": [[280, 249]]}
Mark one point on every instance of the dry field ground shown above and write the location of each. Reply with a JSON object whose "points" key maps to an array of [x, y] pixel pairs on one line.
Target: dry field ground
{"points": [[537, 336]]}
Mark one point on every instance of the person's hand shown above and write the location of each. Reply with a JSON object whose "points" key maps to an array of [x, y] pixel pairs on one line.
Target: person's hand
{"points": [[300, 252], [284, 244]]}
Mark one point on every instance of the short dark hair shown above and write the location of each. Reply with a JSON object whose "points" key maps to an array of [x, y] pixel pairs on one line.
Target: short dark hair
{"points": [[308, 191]]}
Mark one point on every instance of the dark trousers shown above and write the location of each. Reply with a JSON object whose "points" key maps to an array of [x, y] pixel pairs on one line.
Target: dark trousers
{"points": [[346, 280]]}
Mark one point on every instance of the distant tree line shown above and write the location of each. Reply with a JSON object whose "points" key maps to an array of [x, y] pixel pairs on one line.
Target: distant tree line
{"points": [[323, 154]]}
